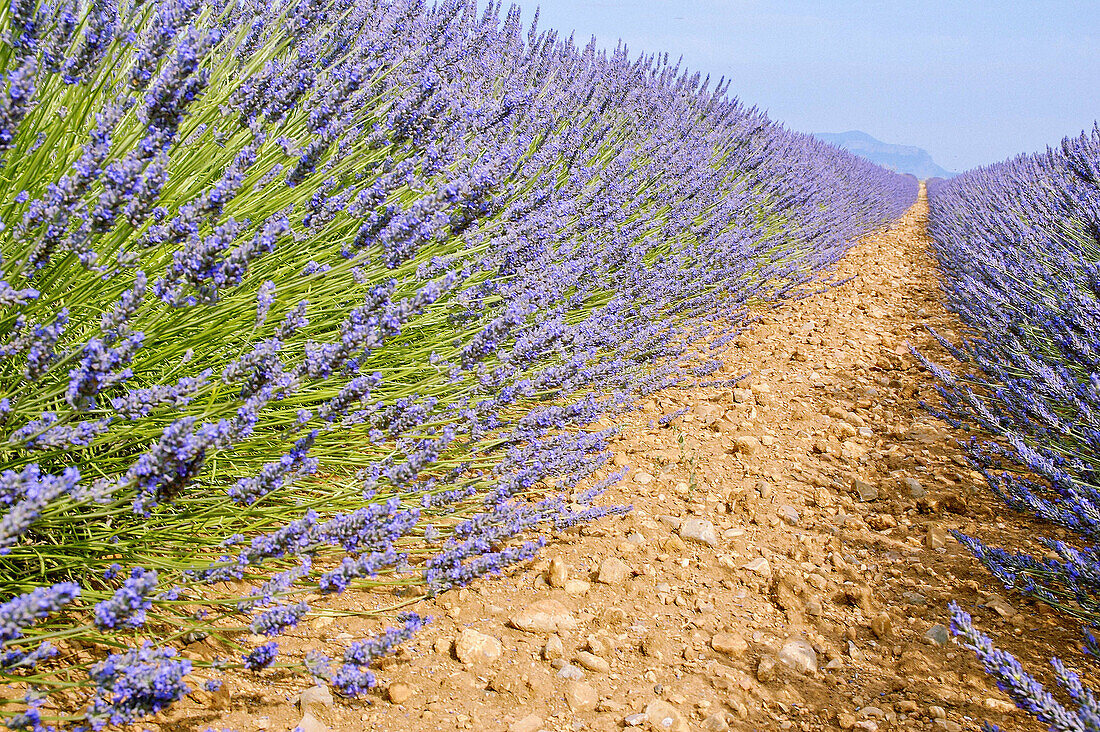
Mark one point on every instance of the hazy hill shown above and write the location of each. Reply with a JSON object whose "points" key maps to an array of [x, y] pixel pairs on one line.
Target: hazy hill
{"points": [[902, 158]]}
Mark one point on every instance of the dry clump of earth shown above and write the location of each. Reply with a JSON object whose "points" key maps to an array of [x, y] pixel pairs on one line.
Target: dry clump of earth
{"points": [[787, 563]]}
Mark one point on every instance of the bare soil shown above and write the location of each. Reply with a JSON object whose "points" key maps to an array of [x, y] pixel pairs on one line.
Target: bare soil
{"points": [[807, 606]]}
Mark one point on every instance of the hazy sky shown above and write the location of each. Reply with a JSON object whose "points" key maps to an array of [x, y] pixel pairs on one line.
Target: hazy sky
{"points": [[971, 81]]}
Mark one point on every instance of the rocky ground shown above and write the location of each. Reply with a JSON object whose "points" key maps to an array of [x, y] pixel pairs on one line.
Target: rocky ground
{"points": [[787, 563]]}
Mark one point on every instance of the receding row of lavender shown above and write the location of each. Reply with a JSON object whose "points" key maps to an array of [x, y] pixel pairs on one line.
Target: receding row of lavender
{"points": [[1019, 247], [306, 296]]}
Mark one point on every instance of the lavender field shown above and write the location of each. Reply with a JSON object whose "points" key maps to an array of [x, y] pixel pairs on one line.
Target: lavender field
{"points": [[321, 297], [312, 296]]}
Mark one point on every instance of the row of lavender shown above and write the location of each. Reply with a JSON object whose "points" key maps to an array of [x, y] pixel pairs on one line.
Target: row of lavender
{"points": [[1019, 247], [303, 296]]}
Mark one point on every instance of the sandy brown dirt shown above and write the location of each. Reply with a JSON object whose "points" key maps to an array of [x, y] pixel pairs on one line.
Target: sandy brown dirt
{"points": [[800, 603]]}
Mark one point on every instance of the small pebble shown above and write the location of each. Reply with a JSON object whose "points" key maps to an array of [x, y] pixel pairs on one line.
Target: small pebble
{"points": [[592, 662], [530, 723], [571, 672], [398, 693], [699, 530], [881, 625], [613, 571], [765, 669], [789, 514], [554, 648], [580, 697], [558, 572], [936, 635], [799, 655], [758, 566]]}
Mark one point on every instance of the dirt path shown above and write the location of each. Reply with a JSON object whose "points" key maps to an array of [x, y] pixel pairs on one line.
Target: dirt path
{"points": [[786, 565]]}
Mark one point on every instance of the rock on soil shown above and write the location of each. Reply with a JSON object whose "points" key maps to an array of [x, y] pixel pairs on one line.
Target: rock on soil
{"points": [[530, 723], [699, 530], [663, 716], [731, 644], [476, 648], [309, 723], [580, 697], [398, 693], [758, 566], [319, 695], [613, 571], [544, 617], [558, 573], [799, 655], [592, 662], [765, 669], [937, 635]]}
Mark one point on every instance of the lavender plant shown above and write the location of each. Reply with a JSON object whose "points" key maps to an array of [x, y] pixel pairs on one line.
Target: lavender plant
{"points": [[306, 296], [1019, 247]]}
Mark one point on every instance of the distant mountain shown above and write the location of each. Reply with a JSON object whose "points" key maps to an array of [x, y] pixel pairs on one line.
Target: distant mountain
{"points": [[902, 158]]}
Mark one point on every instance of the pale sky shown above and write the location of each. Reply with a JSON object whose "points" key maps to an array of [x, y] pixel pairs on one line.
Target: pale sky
{"points": [[971, 81]]}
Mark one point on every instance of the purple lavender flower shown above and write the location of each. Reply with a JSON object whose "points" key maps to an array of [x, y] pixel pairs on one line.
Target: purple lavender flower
{"points": [[315, 268], [176, 458], [276, 474], [318, 665], [279, 618], [1028, 693], [371, 528], [358, 390], [46, 433], [12, 297], [138, 403], [27, 494], [114, 321], [40, 343], [158, 38], [279, 584], [99, 31], [265, 297], [21, 612], [365, 565], [19, 659], [262, 656], [17, 102], [294, 321], [30, 718], [177, 85], [25, 24], [99, 369], [135, 683], [127, 607], [352, 678]]}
